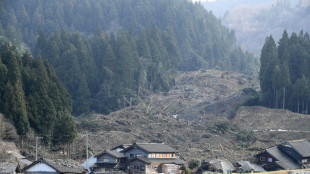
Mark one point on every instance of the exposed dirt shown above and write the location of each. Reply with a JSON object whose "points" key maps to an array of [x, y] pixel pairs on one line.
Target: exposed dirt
{"points": [[195, 118]]}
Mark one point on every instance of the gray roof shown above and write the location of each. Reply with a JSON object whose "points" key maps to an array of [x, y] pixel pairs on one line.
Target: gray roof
{"points": [[247, 166], [122, 146], [153, 147], [8, 167], [62, 166], [112, 153], [223, 165], [300, 146], [284, 161], [160, 160]]}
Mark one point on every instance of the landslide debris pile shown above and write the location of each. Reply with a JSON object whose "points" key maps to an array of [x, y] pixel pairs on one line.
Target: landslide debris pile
{"points": [[195, 118]]}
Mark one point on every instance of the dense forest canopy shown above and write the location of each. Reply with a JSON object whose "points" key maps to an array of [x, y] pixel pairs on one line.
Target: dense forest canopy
{"points": [[33, 97], [109, 53], [285, 72]]}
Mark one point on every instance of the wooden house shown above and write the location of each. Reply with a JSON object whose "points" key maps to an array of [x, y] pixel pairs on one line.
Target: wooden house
{"points": [[138, 158], [288, 155], [148, 158], [299, 150], [109, 161]]}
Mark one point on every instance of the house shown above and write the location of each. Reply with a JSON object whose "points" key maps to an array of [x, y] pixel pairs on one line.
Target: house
{"points": [[299, 150], [9, 168], [139, 158], [42, 166], [153, 158], [275, 159], [288, 155], [109, 161], [248, 167], [220, 165]]}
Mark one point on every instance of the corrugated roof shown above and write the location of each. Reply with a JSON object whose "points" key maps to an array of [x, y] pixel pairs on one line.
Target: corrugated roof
{"points": [[284, 161], [301, 146], [153, 147]]}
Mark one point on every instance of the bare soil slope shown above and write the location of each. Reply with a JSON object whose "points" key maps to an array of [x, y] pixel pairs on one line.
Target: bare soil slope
{"points": [[194, 117]]}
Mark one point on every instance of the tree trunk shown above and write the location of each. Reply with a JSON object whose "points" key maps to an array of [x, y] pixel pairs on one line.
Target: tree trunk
{"points": [[283, 101], [275, 98], [298, 106]]}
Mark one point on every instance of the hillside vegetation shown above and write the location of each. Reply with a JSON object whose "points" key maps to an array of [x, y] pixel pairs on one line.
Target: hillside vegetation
{"points": [[33, 98], [111, 50], [284, 72], [252, 23]]}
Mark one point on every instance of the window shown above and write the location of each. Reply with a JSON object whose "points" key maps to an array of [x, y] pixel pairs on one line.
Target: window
{"points": [[262, 158], [270, 160], [132, 155], [165, 155], [157, 155], [106, 160], [136, 167], [142, 168]]}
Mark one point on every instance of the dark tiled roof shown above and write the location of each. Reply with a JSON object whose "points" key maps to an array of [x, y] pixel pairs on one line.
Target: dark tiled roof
{"points": [[153, 147], [160, 160], [112, 153], [8, 167], [284, 161], [301, 146], [62, 166]]}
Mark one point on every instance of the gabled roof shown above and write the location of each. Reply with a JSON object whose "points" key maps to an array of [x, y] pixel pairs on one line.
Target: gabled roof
{"points": [[302, 147], [61, 167], [283, 160], [159, 160], [152, 148], [113, 153], [9, 167]]}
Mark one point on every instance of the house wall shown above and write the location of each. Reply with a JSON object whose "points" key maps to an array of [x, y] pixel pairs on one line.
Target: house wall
{"points": [[168, 168], [161, 155], [106, 158], [135, 152], [267, 161], [137, 167], [41, 168]]}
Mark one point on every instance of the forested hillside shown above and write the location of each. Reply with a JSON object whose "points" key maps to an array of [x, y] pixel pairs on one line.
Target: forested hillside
{"points": [[253, 22], [33, 97], [284, 73], [109, 53]]}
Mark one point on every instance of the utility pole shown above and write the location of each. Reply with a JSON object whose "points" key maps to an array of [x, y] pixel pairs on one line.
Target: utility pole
{"points": [[86, 150], [37, 138]]}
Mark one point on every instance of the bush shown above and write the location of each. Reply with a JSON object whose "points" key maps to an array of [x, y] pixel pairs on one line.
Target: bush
{"points": [[194, 163]]}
